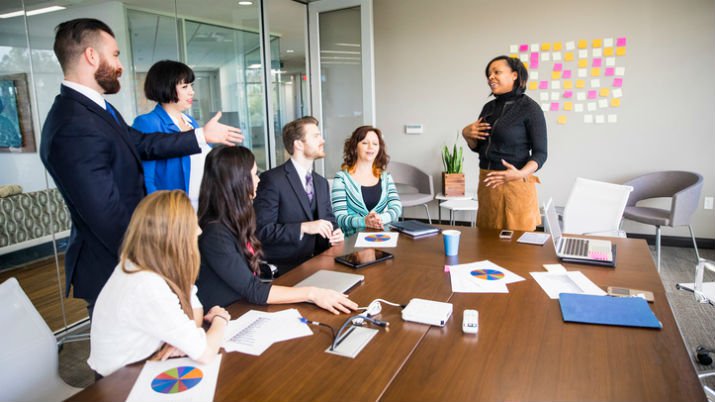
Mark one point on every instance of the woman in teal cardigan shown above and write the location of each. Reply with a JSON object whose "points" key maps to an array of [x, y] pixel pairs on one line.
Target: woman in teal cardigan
{"points": [[364, 194]]}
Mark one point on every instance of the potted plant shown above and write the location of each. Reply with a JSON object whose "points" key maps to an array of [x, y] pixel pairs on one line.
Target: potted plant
{"points": [[452, 177]]}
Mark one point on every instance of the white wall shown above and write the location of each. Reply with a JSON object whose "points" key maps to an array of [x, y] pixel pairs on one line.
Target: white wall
{"points": [[429, 63]]}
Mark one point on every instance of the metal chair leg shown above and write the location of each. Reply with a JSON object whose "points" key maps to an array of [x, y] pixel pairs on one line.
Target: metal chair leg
{"points": [[428, 216], [695, 244], [657, 247]]}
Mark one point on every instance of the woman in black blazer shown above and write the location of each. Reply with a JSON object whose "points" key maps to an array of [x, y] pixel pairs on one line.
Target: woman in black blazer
{"points": [[230, 251]]}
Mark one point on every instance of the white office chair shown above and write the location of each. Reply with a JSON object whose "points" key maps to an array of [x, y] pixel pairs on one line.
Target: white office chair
{"points": [[28, 358], [595, 208]]}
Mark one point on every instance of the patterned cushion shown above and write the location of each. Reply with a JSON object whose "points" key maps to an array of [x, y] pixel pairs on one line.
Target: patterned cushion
{"points": [[29, 216]]}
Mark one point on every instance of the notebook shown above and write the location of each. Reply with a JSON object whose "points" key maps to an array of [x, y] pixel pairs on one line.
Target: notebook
{"points": [[337, 281], [415, 229], [578, 250], [607, 310]]}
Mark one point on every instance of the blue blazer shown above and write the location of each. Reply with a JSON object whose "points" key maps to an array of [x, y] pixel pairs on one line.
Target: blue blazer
{"points": [[164, 174], [95, 162]]}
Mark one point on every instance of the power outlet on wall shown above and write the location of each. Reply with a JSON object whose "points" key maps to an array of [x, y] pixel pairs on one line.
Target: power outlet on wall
{"points": [[708, 204]]}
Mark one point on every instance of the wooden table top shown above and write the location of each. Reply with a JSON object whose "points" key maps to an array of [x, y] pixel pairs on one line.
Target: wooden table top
{"points": [[524, 351]]}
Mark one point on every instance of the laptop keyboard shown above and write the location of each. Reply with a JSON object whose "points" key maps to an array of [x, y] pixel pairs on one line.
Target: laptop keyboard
{"points": [[577, 247]]}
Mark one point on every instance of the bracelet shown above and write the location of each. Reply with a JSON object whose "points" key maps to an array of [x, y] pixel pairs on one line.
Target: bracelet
{"points": [[219, 316]]}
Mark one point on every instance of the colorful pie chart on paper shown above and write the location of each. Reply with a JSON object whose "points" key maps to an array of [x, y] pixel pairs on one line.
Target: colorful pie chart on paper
{"points": [[377, 238], [176, 380], [487, 274]]}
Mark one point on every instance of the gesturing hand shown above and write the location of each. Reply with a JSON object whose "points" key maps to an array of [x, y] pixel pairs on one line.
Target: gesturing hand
{"points": [[479, 130], [496, 179], [219, 133]]}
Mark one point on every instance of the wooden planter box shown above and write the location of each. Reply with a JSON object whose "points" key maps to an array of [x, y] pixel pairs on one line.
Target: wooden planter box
{"points": [[453, 184]]}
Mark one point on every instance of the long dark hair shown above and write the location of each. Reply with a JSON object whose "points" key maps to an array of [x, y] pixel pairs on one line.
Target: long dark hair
{"points": [[226, 197]]}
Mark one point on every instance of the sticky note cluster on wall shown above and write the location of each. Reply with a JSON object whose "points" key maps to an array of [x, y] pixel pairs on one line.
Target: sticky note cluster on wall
{"points": [[583, 76]]}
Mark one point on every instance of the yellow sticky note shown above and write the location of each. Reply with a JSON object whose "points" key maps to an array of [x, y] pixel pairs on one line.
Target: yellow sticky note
{"points": [[526, 64], [545, 47], [583, 63], [568, 56], [615, 102], [604, 92], [514, 56], [568, 84], [561, 119], [568, 105], [620, 51], [595, 72], [597, 43], [608, 51], [582, 44], [555, 75], [533, 85], [557, 46], [580, 83]]}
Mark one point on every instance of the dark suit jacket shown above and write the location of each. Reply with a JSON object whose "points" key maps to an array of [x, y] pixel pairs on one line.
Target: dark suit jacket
{"points": [[95, 162], [281, 205]]}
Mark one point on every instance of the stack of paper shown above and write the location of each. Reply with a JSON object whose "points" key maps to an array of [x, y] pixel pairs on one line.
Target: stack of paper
{"points": [[255, 331], [481, 277], [558, 281]]}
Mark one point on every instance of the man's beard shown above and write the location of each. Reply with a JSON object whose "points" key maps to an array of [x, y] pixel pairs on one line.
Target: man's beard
{"points": [[108, 78], [315, 154]]}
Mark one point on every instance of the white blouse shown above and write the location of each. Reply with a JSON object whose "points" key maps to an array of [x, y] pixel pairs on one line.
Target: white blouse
{"points": [[134, 315]]}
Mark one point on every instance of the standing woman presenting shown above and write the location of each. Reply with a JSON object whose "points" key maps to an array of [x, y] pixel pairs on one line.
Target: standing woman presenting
{"points": [[510, 137]]}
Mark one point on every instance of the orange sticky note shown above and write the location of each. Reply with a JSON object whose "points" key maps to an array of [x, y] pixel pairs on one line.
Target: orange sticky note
{"points": [[597, 43], [620, 51], [608, 51], [533, 85], [604, 92], [595, 72], [561, 119], [557, 46], [545, 47], [582, 44], [555, 75], [568, 56], [583, 63], [568, 105], [580, 83], [568, 84], [615, 102]]}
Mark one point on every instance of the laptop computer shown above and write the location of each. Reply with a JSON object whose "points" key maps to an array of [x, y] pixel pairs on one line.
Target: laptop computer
{"points": [[337, 281], [415, 229], [578, 250]]}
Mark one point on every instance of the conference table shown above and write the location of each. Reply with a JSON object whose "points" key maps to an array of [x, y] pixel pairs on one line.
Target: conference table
{"points": [[522, 352]]}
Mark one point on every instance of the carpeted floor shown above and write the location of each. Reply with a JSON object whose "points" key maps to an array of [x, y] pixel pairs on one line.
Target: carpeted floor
{"points": [[696, 321]]}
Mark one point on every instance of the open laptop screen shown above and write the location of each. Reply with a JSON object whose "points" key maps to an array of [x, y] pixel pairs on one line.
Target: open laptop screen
{"points": [[552, 221]]}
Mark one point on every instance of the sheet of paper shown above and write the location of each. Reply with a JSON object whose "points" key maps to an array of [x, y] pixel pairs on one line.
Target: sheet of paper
{"points": [[462, 278], [554, 283], [377, 239], [252, 333], [289, 326], [176, 380], [555, 268], [537, 238]]}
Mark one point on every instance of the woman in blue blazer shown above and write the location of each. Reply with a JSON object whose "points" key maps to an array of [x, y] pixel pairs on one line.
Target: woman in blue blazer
{"points": [[169, 83]]}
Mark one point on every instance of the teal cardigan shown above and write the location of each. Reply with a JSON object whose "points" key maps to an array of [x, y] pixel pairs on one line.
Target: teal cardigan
{"points": [[349, 207]]}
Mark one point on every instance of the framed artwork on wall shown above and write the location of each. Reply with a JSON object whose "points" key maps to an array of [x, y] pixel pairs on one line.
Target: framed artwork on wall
{"points": [[16, 131]]}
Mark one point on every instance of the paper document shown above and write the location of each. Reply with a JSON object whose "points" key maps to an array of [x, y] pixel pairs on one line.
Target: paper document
{"points": [[555, 283], [176, 380], [377, 239], [481, 277], [255, 331], [536, 238]]}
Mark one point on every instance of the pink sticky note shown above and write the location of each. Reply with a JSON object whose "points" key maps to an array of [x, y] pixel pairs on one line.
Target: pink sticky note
{"points": [[558, 67], [534, 56], [609, 71], [566, 74], [554, 106], [523, 48], [568, 94], [534, 64], [592, 95], [446, 268], [617, 82], [596, 62], [543, 84], [620, 42]]}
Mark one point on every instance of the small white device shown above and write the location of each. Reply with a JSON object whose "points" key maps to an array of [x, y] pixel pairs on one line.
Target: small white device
{"points": [[427, 312], [470, 321]]}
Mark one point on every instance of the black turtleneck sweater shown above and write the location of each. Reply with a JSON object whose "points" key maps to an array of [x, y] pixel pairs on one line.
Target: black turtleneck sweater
{"points": [[518, 132]]}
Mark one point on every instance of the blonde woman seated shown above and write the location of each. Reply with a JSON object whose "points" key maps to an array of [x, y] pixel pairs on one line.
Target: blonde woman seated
{"points": [[149, 305], [364, 194]]}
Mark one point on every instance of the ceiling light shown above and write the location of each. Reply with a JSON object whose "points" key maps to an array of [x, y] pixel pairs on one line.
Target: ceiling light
{"points": [[245, 3], [32, 12]]}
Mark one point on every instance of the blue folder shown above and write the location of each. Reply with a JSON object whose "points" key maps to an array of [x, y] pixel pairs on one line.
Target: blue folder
{"points": [[608, 310]]}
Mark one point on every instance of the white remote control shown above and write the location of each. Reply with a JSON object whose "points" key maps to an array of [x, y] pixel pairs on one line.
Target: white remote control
{"points": [[470, 321]]}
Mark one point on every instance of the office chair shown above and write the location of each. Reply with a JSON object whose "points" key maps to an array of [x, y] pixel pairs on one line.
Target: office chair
{"points": [[684, 189], [414, 186], [29, 352], [595, 208]]}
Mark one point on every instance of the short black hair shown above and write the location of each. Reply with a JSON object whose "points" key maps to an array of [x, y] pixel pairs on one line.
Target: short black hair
{"points": [[522, 74], [293, 131], [162, 79], [74, 36]]}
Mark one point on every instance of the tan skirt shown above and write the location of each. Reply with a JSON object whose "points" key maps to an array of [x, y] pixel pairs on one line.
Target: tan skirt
{"points": [[513, 205]]}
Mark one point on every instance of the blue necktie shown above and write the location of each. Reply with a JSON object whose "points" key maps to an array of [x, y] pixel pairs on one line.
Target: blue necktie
{"points": [[111, 111]]}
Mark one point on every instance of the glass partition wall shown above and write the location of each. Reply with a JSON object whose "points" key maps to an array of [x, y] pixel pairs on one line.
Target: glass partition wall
{"points": [[221, 40]]}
